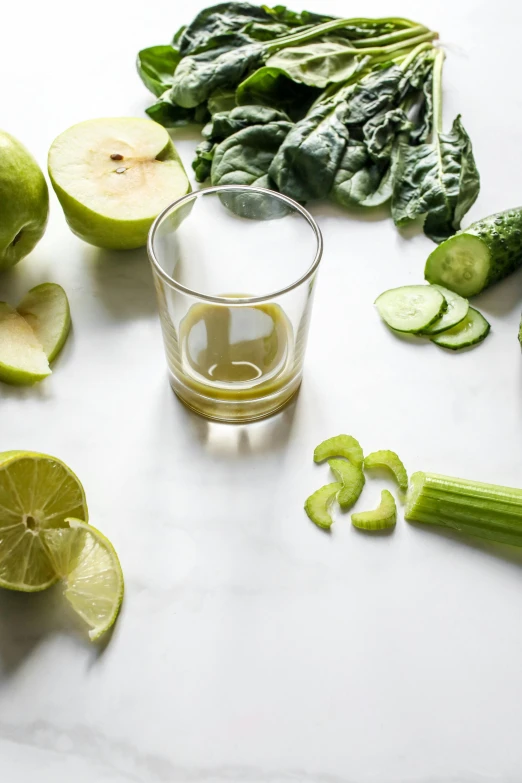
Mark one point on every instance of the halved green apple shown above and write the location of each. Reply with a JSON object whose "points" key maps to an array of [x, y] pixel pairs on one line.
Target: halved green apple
{"points": [[113, 177], [22, 359], [46, 310]]}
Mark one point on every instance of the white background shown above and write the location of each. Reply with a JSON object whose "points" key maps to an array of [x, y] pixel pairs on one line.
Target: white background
{"points": [[252, 647]]}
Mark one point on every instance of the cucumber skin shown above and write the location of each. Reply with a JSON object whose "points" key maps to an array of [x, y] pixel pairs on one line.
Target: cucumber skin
{"points": [[502, 235]]}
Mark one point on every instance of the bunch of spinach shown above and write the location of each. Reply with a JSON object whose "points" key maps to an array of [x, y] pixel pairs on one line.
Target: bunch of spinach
{"points": [[318, 107]]}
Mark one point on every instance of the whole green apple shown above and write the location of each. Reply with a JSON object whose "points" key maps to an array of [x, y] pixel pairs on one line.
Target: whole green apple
{"points": [[24, 201]]}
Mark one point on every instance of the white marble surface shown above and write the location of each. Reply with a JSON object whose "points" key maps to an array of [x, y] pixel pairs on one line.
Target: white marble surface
{"points": [[251, 646]]}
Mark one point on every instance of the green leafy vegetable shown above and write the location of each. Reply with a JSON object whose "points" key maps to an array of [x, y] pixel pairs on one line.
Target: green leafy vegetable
{"points": [[365, 96], [439, 180], [156, 67]]}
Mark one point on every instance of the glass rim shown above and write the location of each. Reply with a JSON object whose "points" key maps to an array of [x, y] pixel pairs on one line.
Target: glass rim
{"points": [[194, 194]]}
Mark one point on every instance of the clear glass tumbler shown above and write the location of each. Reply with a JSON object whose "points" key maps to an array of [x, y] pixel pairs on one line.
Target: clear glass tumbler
{"points": [[234, 269]]}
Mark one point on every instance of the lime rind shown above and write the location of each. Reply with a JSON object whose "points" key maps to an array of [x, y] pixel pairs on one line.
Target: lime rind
{"points": [[87, 562]]}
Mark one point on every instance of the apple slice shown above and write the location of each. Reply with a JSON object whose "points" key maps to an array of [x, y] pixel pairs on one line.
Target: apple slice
{"points": [[22, 359], [46, 310], [113, 177]]}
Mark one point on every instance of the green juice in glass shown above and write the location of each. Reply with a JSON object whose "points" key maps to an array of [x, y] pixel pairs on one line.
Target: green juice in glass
{"points": [[238, 354]]}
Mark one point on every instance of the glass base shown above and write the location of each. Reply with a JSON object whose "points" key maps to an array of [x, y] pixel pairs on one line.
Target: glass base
{"points": [[235, 411]]}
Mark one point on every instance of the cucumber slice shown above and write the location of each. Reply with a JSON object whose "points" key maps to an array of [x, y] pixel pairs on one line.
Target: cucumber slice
{"points": [[472, 330], [352, 479], [457, 310], [382, 518], [340, 446], [486, 252], [411, 308], [388, 459], [317, 506]]}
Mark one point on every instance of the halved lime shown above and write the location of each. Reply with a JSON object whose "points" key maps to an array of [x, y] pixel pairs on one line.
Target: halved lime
{"points": [[37, 492], [88, 563]]}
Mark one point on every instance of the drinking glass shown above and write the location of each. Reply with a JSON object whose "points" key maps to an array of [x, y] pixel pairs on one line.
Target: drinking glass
{"points": [[234, 269]]}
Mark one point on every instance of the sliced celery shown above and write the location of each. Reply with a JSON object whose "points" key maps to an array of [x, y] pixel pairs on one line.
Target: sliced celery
{"points": [[483, 510], [381, 518], [317, 506], [388, 459], [352, 479], [340, 446]]}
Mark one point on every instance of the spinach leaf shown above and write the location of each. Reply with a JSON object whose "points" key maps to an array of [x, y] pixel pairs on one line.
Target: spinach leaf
{"points": [[359, 180], [245, 157], [225, 124], [172, 116], [156, 66], [318, 63], [439, 180], [197, 77], [306, 162], [274, 87], [380, 133], [221, 100], [202, 163], [295, 18], [229, 26], [380, 90]]}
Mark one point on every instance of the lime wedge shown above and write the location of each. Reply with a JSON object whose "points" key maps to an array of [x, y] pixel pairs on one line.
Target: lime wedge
{"points": [[37, 492], [88, 563]]}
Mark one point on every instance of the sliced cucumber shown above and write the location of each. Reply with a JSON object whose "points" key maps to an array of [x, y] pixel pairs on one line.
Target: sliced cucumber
{"points": [[486, 252], [317, 506], [388, 459], [382, 518], [352, 479], [340, 446], [472, 330], [457, 310], [411, 308]]}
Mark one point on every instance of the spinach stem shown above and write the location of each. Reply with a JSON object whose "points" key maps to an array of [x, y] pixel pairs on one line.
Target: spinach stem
{"points": [[414, 54], [327, 27], [399, 35], [437, 91]]}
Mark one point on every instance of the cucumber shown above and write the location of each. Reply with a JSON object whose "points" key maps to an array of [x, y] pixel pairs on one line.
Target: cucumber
{"points": [[472, 330], [317, 506], [483, 254], [457, 310], [411, 308], [382, 518], [352, 479]]}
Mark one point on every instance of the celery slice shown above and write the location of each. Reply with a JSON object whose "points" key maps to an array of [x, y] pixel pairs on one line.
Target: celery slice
{"points": [[317, 506], [340, 446], [352, 479], [388, 459], [483, 510], [381, 518]]}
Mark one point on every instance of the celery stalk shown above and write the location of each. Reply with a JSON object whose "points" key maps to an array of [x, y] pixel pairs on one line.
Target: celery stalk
{"points": [[483, 510]]}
